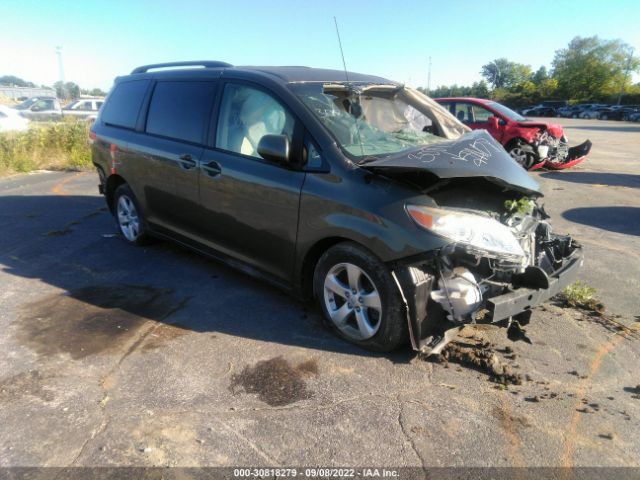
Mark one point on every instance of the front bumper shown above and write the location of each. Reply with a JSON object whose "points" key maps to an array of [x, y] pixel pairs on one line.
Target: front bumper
{"points": [[427, 324], [575, 155]]}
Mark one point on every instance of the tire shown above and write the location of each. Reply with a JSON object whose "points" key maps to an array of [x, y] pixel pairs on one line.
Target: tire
{"points": [[128, 216], [374, 316], [604, 117], [524, 155]]}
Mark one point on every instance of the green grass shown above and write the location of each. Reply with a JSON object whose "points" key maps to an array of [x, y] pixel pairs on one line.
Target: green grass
{"points": [[581, 295], [52, 146]]}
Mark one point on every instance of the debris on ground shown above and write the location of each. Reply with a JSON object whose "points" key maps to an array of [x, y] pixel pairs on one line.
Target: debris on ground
{"points": [[579, 296], [479, 355], [607, 436], [635, 392], [516, 333], [585, 410], [543, 396], [506, 418]]}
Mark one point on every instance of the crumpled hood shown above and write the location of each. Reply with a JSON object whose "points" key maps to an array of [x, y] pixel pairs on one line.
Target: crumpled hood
{"points": [[553, 129], [475, 154]]}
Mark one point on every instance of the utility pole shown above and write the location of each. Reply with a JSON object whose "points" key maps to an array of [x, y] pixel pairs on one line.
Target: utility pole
{"points": [[429, 79], [626, 74], [60, 68]]}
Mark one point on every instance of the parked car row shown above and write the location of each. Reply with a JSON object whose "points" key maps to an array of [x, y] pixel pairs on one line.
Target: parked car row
{"points": [[50, 108], [583, 110]]}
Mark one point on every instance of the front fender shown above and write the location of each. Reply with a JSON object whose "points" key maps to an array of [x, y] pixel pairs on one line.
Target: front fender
{"points": [[528, 135]]}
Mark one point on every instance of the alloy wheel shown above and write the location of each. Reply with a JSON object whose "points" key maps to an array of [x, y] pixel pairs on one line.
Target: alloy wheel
{"points": [[128, 219], [352, 301], [520, 156]]}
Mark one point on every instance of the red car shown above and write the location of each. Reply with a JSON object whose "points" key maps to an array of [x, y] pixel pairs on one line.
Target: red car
{"points": [[532, 144]]}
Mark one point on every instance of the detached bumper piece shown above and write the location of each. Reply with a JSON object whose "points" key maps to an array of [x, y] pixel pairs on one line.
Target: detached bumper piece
{"points": [[523, 299], [576, 155]]}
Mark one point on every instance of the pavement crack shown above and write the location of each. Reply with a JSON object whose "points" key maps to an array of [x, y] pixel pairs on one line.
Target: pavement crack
{"points": [[95, 433], [408, 437], [107, 381], [264, 455]]}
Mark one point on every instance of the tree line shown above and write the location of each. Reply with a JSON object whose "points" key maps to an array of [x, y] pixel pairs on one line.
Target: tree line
{"points": [[589, 69]]}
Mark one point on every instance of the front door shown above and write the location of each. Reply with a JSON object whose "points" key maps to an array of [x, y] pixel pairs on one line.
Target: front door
{"points": [[249, 205]]}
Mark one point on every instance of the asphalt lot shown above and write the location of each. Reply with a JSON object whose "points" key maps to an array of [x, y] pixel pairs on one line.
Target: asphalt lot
{"points": [[155, 356]]}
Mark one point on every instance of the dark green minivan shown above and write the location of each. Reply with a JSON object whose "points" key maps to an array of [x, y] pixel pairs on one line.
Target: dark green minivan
{"points": [[350, 188]]}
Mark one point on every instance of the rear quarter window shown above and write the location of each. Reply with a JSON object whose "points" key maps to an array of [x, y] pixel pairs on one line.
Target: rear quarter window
{"points": [[123, 106], [180, 109]]}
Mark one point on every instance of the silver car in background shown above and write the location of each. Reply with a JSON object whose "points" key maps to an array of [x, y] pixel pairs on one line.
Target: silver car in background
{"points": [[84, 108], [40, 108]]}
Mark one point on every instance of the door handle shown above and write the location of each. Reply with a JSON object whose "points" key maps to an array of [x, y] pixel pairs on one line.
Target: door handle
{"points": [[186, 162], [213, 168]]}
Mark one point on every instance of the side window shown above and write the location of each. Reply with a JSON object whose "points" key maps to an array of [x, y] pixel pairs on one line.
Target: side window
{"points": [[449, 107], [124, 103], [418, 121], [462, 112], [314, 159], [42, 105], [180, 109], [246, 115], [481, 115]]}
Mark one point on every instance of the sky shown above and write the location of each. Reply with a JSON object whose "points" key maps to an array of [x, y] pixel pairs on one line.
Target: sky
{"points": [[102, 39]]}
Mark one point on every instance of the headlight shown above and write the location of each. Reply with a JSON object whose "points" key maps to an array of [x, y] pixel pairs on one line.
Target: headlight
{"points": [[483, 233]]}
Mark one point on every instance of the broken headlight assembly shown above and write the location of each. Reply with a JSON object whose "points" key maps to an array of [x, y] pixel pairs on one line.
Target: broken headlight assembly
{"points": [[479, 234]]}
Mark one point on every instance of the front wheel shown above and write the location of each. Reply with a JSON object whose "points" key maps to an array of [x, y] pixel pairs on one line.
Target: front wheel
{"points": [[359, 298], [524, 155], [129, 217]]}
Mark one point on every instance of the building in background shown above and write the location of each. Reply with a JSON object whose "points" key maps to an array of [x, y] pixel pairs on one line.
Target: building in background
{"points": [[22, 93]]}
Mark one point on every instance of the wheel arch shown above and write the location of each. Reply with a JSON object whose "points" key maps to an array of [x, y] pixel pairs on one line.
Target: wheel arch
{"points": [[514, 142], [113, 182], [311, 258]]}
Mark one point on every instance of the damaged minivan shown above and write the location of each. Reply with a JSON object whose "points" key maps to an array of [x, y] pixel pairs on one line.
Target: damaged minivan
{"points": [[403, 223]]}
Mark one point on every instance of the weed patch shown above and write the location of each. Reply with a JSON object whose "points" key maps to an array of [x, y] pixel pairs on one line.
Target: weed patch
{"points": [[52, 146]]}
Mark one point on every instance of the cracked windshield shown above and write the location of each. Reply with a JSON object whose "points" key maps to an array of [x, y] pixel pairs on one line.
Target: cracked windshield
{"points": [[368, 121]]}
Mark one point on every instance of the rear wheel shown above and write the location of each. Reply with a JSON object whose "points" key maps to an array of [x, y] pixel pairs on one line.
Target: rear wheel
{"points": [[359, 298], [524, 155], [128, 216]]}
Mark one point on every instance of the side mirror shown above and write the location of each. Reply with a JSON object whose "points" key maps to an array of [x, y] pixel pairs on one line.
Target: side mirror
{"points": [[493, 122], [274, 148]]}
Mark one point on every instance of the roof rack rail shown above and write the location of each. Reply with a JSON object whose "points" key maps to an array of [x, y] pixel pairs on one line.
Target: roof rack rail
{"points": [[199, 63]]}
